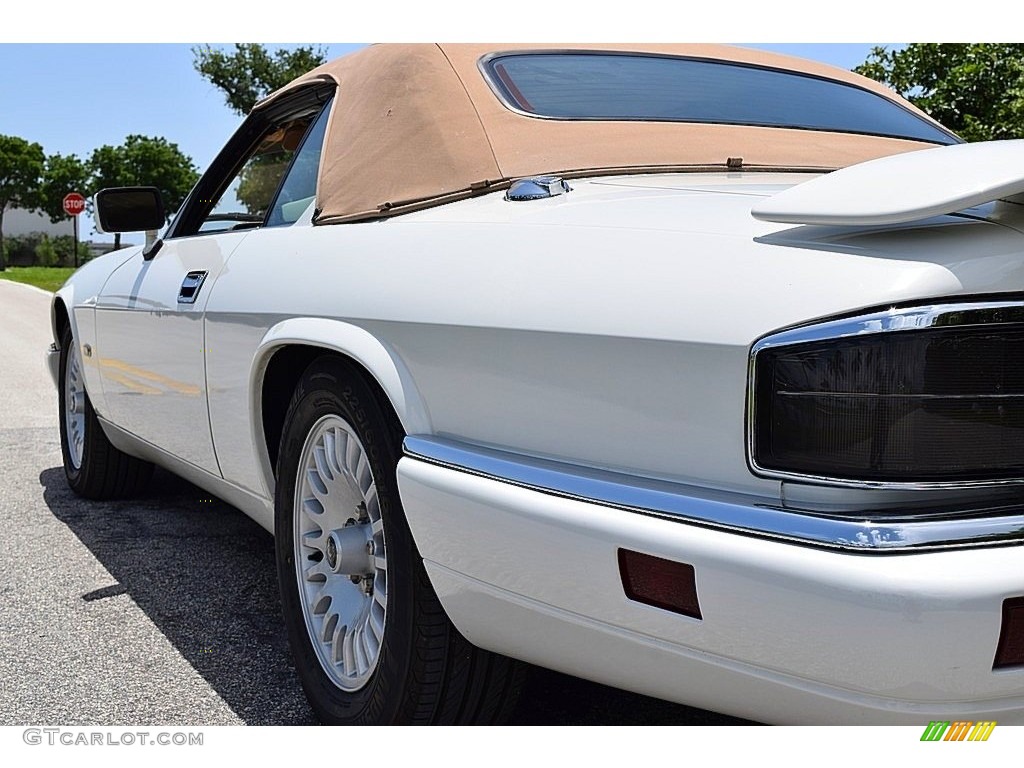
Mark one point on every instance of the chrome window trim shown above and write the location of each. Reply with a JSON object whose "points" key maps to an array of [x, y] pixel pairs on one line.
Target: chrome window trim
{"points": [[731, 512], [909, 318]]}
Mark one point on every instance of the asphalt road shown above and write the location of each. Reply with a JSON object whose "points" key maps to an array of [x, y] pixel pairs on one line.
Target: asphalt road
{"points": [[162, 610]]}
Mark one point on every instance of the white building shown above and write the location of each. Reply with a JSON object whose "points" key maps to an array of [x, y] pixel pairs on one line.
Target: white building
{"points": [[19, 222]]}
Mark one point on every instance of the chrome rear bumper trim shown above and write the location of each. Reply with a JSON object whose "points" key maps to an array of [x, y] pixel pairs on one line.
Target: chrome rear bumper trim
{"points": [[751, 516]]}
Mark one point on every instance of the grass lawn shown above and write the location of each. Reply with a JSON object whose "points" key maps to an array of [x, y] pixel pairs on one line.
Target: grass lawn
{"points": [[47, 278]]}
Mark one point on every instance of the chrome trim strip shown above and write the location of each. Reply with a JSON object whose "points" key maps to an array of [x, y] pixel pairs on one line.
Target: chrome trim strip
{"points": [[732, 512], [912, 318], [947, 315]]}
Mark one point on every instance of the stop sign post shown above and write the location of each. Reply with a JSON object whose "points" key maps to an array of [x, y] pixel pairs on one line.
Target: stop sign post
{"points": [[74, 204]]}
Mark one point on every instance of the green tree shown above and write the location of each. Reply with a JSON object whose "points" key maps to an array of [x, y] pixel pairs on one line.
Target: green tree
{"points": [[21, 171], [63, 174], [257, 183], [251, 72], [21, 248], [64, 247], [977, 89], [46, 254], [144, 161]]}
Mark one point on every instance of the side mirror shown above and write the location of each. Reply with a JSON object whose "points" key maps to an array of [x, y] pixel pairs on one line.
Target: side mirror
{"points": [[129, 209]]}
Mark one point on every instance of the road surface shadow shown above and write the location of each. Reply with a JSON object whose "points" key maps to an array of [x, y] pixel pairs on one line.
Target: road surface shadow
{"points": [[204, 573]]}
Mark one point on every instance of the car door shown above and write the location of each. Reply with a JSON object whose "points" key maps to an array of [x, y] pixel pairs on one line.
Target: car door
{"points": [[151, 349]]}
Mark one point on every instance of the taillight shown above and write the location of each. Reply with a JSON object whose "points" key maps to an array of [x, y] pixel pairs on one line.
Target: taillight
{"points": [[1010, 651], [941, 403]]}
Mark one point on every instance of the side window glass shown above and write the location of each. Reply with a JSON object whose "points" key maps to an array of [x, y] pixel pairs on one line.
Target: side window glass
{"points": [[299, 188], [247, 199]]}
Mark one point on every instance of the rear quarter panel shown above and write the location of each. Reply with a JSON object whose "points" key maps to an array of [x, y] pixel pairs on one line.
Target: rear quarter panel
{"points": [[601, 345]]}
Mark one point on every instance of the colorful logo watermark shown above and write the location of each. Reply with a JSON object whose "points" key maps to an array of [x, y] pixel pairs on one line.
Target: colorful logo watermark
{"points": [[960, 730]]}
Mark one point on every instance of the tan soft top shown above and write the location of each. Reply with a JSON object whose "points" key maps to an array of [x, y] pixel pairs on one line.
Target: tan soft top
{"points": [[415, 125]]}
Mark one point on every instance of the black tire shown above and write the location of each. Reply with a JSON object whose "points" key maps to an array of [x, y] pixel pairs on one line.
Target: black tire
{"points": [[426, 672], [104, 472]]}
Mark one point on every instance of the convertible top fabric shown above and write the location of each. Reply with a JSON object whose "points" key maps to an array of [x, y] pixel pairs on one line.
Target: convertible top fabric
{"points": [[416, 125]]}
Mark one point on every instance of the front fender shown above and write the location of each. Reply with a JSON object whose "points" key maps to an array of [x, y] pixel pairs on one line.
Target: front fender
{"points": [[79, 295]]}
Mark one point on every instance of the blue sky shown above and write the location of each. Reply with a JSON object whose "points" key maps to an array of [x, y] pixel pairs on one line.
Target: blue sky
{"points": [[72, 98]]}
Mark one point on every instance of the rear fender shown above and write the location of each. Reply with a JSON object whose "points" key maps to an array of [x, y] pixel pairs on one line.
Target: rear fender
{"points": [[356, 343]]}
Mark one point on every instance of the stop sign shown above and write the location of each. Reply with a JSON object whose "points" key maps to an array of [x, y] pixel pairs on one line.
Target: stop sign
{"points": [[74, 204]]}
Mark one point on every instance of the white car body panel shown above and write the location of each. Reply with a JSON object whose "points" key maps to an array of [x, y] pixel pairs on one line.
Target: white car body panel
{"points": [[78, 296], [152, 353], [236, 377], [509, 351], [901, 188]]}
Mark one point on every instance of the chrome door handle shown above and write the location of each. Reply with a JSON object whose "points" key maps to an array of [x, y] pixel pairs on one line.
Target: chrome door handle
{"points": [[190, 287]]}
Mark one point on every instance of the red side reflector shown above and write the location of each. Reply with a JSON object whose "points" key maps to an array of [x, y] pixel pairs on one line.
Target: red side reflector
{"points": [[662, 583], [1010, 652]]}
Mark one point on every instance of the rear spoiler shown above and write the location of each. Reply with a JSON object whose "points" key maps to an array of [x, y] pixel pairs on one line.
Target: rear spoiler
{"points": [[905, 187]]}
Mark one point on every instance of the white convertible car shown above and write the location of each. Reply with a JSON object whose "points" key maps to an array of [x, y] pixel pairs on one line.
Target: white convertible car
{"points": [[692, 370]]}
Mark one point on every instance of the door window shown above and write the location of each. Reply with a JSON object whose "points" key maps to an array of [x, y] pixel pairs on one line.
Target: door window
{"points": [[265, 176], [299, 188]]}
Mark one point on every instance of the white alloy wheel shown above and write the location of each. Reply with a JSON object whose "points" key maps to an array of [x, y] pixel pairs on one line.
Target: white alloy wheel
{"points": [[74, 406], [340, 553], [371, 642]]}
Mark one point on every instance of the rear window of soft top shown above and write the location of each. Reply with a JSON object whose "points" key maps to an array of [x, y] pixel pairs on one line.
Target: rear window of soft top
{"points": [[603, 86]]}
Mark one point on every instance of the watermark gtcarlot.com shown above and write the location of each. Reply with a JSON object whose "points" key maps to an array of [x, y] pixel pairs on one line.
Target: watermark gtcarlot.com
{"points": [[76, 737]]}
